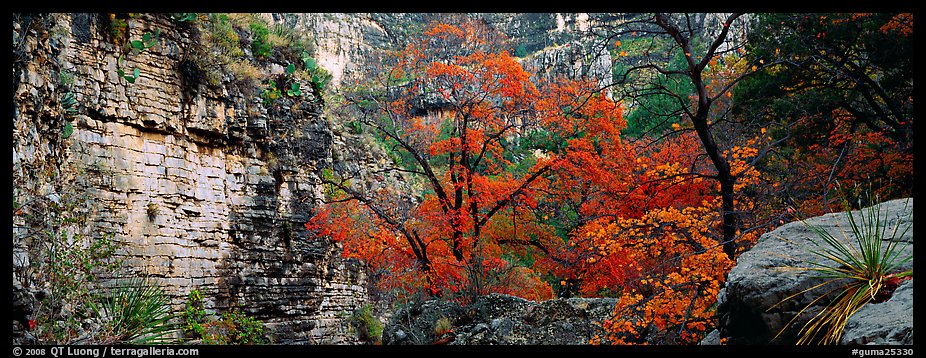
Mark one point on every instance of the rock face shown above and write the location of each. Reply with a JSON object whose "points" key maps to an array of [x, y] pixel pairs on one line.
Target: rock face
{"points": [[557, 42], [500, 319], [206, 188], [749, 308]]}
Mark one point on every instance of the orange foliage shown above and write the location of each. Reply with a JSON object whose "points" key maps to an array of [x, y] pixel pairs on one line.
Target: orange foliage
{"points": [[672, 269], [474, 225], [846, 158], [592, 215]]}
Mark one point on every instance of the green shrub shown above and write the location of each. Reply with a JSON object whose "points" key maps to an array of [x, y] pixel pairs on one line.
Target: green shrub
{"points": [[221, 34], [331, 190], [65, 261], [521, 51], [194, 315], [354, 127], [281, 36], [271, 93], [117, 27], [184, 17], [233, 327], [67, 130], [260, 47], [317, 75], [368, 328]]}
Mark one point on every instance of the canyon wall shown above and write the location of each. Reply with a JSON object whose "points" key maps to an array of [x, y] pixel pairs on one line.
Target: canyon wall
{"points": [[206, 188]]}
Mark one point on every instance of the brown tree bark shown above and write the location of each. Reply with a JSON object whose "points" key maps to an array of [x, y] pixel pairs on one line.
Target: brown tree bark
{"points": [[700, 120]]}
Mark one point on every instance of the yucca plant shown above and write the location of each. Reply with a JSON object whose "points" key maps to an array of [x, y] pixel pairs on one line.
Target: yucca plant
{"points": [[864, 267], [134, 312]]}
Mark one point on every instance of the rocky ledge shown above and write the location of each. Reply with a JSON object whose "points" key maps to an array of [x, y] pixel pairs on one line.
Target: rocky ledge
{"points": [[500, 319], [749, 308]]}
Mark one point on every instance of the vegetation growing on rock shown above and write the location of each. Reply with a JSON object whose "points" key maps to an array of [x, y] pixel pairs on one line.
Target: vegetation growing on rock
{"points": [[308, 168]]}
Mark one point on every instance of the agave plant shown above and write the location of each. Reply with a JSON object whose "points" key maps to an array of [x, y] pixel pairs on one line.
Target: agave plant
{"points": [[864, 267], [134, 312]]}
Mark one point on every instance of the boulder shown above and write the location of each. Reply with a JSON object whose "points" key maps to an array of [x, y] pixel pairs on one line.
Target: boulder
{"points": [[500, 319], [889, 322], [755, 305]]}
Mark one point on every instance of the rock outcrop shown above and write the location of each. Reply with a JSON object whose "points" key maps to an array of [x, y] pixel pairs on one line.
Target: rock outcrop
{"points": [[500, 319], [559, 43], [752, 307], [205, 187]]}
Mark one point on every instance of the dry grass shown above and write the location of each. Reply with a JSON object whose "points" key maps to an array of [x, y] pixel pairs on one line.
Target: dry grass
{"points": [[243, 20], [244, 70]]}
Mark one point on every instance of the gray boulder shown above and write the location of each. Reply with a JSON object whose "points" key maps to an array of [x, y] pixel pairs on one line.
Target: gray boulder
{"points": [[889, 322], [500, 319], [753, 309]]}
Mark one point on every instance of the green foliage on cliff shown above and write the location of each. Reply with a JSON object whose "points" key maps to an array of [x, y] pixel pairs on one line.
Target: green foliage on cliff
{"points": [[328, 180], [77, 303], [259, 45], [232, 327], [218, 51], [521, 51], [368, 327], [271, 93], [194, 315], [68, 261], [315, 73], [220, 32]]}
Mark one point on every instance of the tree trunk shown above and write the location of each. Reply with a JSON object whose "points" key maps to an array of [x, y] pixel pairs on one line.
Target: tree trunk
{"points": [[700, 121], [724, 176]]}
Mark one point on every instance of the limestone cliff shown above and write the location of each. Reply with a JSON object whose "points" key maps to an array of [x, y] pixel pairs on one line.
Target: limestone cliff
{"points": [[206, 187], [346, 43]]}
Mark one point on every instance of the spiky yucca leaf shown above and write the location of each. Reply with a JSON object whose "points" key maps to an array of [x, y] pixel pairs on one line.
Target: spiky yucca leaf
{"points": [[862, 265], [135, 312]]}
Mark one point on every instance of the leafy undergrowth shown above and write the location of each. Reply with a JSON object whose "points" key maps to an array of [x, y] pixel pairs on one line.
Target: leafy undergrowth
{"points": [[231, 327]]}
